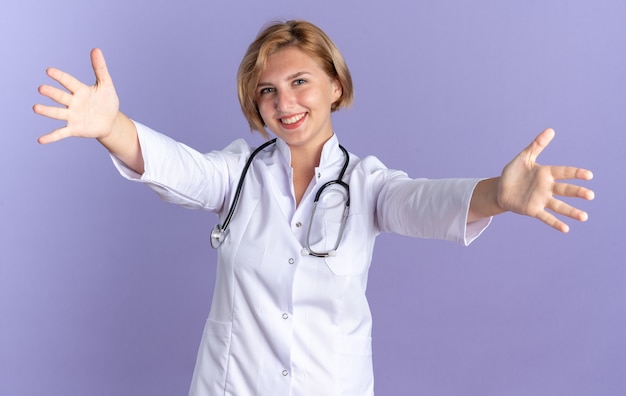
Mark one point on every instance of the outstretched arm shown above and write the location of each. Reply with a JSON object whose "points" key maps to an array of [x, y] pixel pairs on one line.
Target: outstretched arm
{"points": [[528, 188], [91, 112]]}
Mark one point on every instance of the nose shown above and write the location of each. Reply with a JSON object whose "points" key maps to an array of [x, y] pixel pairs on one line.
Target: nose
{"points": [[284, 100]]}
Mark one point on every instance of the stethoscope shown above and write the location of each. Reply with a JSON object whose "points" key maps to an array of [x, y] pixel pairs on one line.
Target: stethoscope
{"points": [[220, 232]]}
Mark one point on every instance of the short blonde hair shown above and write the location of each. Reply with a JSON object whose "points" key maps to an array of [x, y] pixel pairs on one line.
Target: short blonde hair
{"points": [[295, 33]]}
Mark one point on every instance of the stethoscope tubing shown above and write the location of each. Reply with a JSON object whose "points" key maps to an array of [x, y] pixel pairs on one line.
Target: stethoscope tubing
{"points": [[219, 232], [233, 206]]}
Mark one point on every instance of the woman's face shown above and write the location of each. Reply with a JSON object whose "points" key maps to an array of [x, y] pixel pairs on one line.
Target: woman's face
{"points": [[294, 96]]}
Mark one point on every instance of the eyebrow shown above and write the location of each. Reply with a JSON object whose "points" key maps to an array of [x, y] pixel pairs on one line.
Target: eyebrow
{"points": [[290, 77]]}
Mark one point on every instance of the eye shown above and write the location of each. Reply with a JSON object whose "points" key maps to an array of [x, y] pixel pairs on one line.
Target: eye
{"points": [[267, 90], [299, 81]]}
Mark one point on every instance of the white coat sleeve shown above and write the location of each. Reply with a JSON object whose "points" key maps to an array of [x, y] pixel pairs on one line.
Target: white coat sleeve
{"points": [[424, 208], [182, 175]]}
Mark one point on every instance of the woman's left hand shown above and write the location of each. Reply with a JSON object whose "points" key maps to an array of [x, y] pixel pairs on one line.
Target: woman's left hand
{"points": [[528, 188]]}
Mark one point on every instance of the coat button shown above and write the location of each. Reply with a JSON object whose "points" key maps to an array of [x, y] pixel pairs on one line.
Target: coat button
{"points": [[285, 316], [285, 373], [291, 260]]}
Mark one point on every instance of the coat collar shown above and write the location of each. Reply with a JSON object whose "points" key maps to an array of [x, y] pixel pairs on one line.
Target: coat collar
{"points": [[331, 153]]}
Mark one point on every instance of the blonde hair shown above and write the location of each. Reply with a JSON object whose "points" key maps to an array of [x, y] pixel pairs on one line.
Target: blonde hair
{"points": [[298, 34]]}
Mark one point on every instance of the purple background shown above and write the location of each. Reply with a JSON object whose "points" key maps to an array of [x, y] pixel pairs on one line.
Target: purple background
{"points": [[104, 289]]}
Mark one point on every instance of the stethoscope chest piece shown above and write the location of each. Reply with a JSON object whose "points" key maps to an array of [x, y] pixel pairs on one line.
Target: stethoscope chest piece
{"points": [[217, 236]]}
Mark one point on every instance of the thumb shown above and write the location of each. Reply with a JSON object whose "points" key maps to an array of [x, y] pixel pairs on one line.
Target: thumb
{"points": [[538, 144], [99, 65]]}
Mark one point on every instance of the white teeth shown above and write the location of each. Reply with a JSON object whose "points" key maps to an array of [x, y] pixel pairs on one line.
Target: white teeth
{"points": [[292, 120]]}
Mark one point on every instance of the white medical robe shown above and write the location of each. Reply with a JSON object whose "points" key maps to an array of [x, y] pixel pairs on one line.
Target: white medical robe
{"points": [[283, 323]]}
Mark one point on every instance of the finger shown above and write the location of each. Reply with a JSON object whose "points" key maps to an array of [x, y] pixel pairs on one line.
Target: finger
{"points": [[570, 172], [540, 142], [99, 65], [564, 209], [54, 136], [572, 190], [58, 95], [53, 112], [552, 221], [68, 81]]}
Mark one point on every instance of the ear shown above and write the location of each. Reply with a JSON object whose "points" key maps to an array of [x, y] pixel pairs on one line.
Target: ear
{"points": [[337, 89]]}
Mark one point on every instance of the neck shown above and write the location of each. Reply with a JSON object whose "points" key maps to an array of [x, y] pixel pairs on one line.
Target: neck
{"points": [[307, 156], [305, 159]]}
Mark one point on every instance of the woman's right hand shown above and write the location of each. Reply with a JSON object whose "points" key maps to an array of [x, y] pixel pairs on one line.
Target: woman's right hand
{"points": [[89, 111]]}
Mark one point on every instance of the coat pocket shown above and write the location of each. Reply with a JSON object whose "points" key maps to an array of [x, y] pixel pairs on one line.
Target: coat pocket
{"points": [[353, 255]]}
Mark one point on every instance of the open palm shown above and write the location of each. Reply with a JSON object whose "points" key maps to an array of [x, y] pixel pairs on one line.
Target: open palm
{"points": [[89, 111], [529, 188]]}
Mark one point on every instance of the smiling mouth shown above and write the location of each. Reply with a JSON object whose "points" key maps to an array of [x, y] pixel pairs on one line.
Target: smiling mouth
{"points": [[293, 119]]}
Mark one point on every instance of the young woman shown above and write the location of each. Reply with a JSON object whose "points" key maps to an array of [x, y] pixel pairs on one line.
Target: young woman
{"points": [[289, 314]]}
